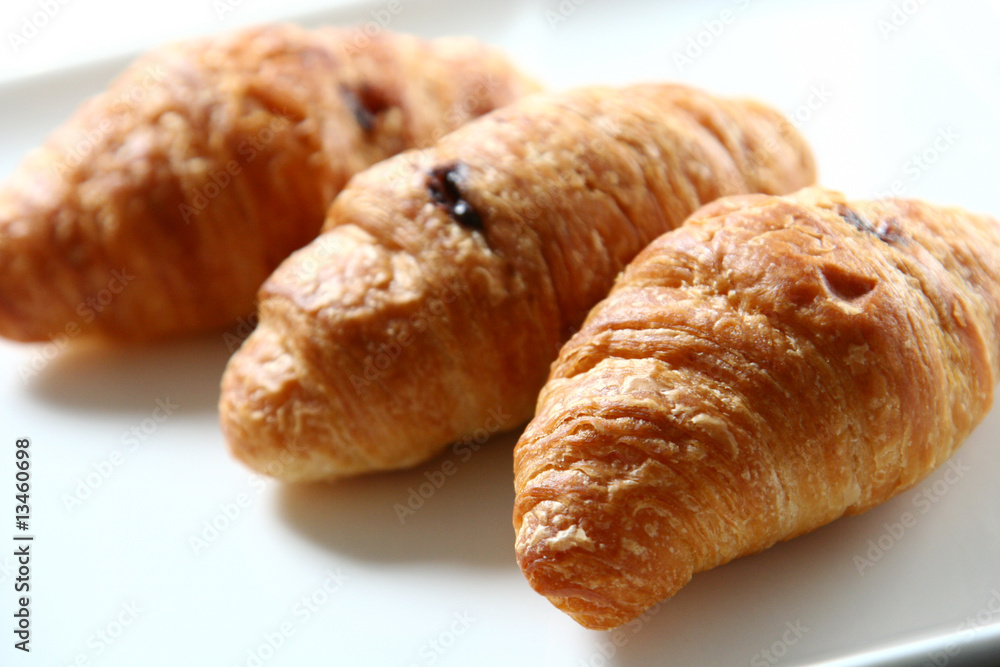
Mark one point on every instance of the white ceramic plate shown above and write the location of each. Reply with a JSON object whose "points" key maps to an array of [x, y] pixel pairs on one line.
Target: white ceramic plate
{"points": [[178, 555]]}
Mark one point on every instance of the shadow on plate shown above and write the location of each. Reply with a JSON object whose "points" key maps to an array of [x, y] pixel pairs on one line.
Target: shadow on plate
{"points": [[744, 603], [805, 597], [423, 514], [97, 376]]}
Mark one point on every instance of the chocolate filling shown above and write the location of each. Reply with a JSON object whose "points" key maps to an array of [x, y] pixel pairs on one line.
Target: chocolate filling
{"points": [[366, 104], [888, 231], [444, 185]]}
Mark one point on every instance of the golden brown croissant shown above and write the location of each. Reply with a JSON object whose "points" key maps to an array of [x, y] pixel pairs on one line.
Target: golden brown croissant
{"points": [[446, 280], [773, 364], [163, 203]]}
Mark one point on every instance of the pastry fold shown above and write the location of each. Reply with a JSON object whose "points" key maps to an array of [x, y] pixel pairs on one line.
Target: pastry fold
{"points": [[446, 280], [772, 365], [163, 203]]}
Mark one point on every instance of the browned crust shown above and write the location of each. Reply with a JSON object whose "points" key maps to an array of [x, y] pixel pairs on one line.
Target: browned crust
{"points": [[772, 365], [206, 163], [464, 267]]}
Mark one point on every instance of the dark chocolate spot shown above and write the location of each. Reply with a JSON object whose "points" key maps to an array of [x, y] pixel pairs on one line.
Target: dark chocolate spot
{"points": [[891, 231], [444, 185], [854, 219], [366, 104], [888, 231]]}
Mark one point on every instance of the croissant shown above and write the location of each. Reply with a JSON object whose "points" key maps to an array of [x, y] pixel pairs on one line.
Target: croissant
{"points": [[446, 280], [162, 204], [775, 363]]}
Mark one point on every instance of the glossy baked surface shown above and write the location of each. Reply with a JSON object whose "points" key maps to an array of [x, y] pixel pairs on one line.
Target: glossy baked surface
{"points": [[771, 365]]}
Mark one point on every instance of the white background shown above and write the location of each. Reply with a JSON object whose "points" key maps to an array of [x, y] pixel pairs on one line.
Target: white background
{"points": [[880, 98]]}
